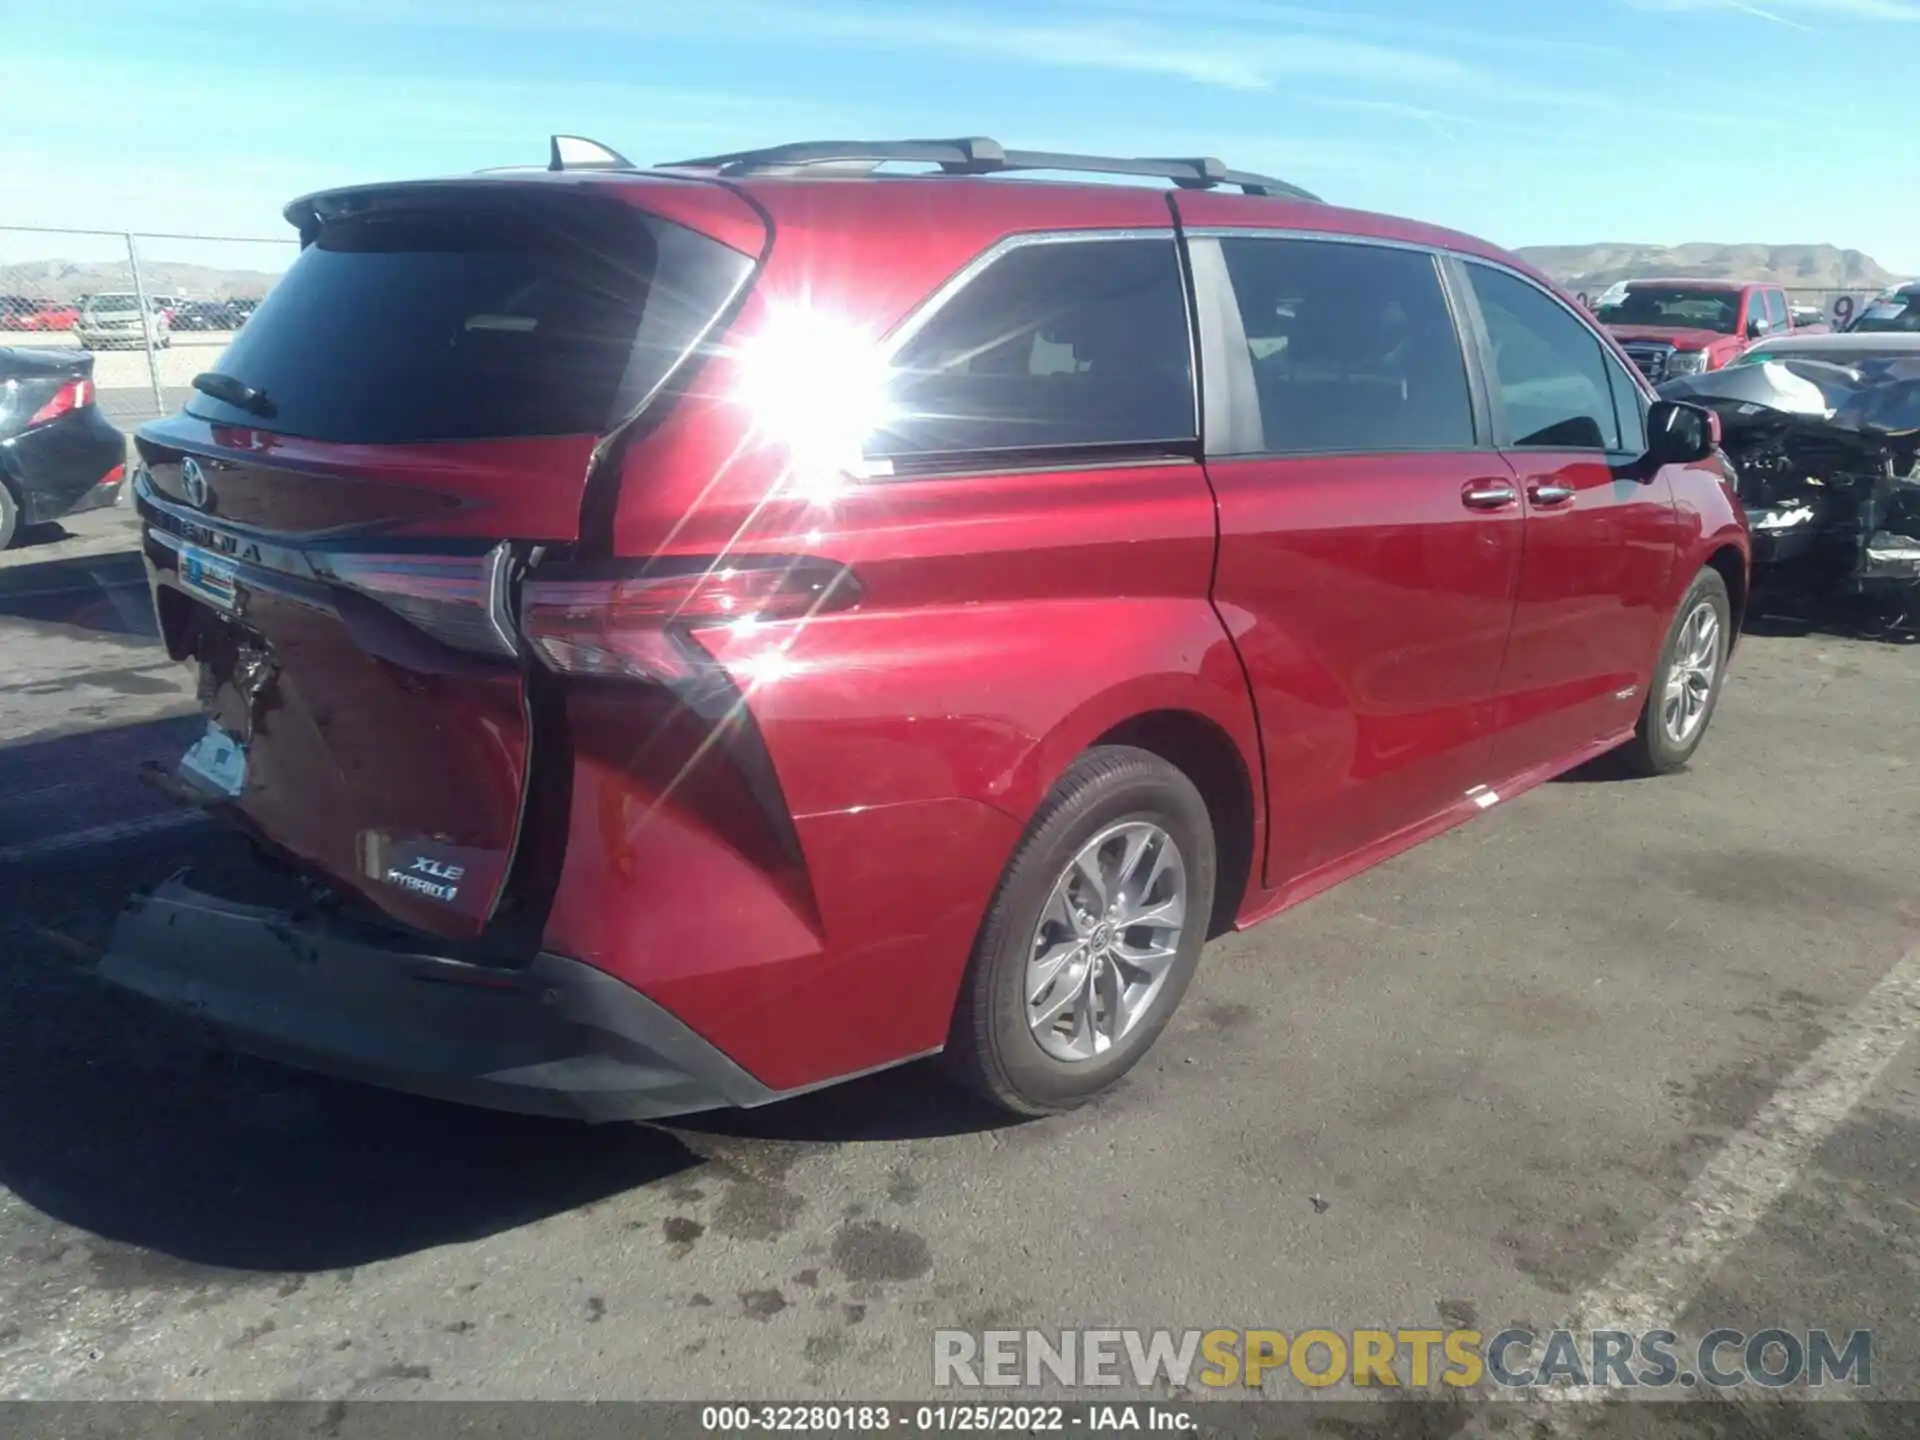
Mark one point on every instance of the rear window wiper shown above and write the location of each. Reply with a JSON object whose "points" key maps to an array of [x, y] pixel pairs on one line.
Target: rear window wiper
{"points": [[235, 392]]}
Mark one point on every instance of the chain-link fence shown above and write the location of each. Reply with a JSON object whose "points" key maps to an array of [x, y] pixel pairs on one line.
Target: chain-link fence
{"points": [[156, 310]]}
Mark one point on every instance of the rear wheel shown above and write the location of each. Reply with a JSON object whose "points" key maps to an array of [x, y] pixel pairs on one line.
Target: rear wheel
{"points": [[1686, 681], [9, 516], [1092, 938]]}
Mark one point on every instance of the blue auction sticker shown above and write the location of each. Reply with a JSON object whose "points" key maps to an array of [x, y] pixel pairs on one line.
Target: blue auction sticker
{"points": [[208, 576]]}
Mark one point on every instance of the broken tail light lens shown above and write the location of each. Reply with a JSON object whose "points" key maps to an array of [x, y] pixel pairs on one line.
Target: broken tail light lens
{"points": [[631, 626], [74, 395]]}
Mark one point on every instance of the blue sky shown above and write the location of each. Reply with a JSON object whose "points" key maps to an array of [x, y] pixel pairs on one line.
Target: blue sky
{"points": [[1640, 120]]}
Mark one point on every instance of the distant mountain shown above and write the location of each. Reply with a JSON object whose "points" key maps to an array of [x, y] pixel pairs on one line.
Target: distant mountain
{"points": [[1807, 267], [1579, 267], [69, 280]]}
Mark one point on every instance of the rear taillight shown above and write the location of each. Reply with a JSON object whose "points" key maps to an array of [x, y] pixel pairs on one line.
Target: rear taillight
{"points": [[632, 626], [74, 395]]}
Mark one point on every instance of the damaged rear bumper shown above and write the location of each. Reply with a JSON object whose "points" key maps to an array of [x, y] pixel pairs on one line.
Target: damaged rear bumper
{"points": [[555, 1038]]}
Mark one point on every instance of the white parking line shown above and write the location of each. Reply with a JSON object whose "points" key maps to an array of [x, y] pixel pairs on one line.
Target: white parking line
{"points": [[99, 835], [1675, 1256]]}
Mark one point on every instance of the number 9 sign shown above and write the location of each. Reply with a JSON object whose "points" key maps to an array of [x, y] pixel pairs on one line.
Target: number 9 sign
{"points": [[1843, 311]]}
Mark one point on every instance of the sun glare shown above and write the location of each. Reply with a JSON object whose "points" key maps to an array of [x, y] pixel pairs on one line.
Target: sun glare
{"points": [[817, 385]]}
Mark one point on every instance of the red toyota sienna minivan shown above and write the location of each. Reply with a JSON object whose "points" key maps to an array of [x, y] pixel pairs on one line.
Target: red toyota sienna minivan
{"points": [[678, 637]]}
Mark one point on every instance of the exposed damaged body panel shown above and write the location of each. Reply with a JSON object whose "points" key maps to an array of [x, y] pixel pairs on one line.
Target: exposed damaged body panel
{"points": [[1828, 462]]}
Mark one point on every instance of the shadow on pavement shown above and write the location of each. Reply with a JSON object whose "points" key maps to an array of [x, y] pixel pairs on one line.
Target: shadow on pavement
{"points": [[117, 1118], [912, 1102], [120, 1119], [124, 1120], [33, 537], [1892, 619], [105, 593]]}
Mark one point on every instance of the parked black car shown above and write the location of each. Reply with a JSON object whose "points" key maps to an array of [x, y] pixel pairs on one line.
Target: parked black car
{"points": [[58, 454], [1895, 310], [1823, 432], [211, 315]]}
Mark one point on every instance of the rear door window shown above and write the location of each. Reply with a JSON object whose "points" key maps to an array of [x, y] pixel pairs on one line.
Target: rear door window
{"points": [[1058, 344], [462, 321], [1353, 347], [1550, 379]]}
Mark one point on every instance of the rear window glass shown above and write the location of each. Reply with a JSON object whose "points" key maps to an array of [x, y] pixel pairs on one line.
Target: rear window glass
{"points": [[470, 321], [108, 304]]}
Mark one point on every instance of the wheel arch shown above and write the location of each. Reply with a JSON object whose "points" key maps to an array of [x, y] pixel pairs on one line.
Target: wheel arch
{"points": [[1202, 750], [1731, 563]]}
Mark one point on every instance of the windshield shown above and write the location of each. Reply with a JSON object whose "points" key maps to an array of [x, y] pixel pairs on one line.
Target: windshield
{"points": [[110, 304], [1897, 313], [1675, 305]]}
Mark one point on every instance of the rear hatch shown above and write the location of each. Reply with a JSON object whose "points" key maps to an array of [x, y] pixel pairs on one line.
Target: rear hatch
{"points": [[336, 525]]}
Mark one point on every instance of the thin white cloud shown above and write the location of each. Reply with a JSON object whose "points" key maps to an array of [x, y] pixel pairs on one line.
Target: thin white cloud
{"points": [[1258, 15], [1224, 55], [1901, 11]]}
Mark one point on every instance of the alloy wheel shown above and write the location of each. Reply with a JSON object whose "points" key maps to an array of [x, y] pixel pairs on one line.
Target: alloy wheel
{"points": [[1690, 677], [1107, 937]]}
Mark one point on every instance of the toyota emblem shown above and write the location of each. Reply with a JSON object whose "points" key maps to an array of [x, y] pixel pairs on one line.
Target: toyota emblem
{"points": [[193, 481]]}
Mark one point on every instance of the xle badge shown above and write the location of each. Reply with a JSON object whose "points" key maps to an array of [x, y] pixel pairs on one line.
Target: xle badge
{"points": [[429, 877]]}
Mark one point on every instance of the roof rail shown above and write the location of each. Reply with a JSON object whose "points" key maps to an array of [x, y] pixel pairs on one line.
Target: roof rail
{"points": [[978, 156]]}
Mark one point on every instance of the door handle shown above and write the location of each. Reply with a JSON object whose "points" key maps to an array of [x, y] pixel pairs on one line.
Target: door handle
{"points": [[1550, 492], [1488, 495]]}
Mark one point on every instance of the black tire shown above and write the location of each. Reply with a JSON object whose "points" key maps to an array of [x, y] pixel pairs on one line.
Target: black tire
{"points": [[991, 1047], [1653, 750], [9, 517]]}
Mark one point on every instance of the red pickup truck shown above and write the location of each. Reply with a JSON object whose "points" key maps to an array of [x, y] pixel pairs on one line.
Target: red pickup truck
{"points": [[1682, 327]]}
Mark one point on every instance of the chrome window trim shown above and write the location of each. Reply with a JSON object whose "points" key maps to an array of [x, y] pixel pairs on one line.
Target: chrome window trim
{"points": [[1347, 237], [880, 471], [922, 314], [1294, 232], [1067, 467]]}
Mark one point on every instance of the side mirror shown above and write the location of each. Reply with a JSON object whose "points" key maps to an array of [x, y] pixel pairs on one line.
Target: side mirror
{"points": [[1758, 326], [1680, 434]]}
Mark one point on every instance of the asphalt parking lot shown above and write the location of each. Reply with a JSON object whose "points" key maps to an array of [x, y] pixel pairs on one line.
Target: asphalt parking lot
{"points": [[1555, 1059]]}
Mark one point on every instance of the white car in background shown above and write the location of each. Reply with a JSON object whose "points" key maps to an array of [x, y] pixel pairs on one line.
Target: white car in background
{"points": [[113, 320]]}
